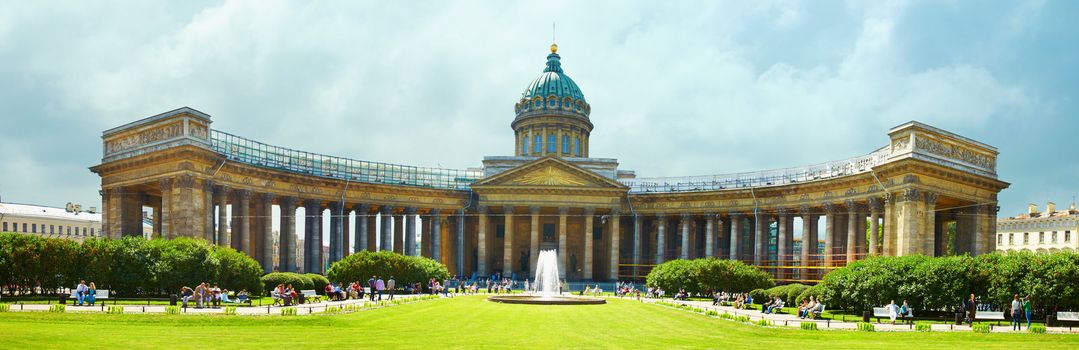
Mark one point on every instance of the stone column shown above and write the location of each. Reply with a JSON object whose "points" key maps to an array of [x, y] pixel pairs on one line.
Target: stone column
{"points": [[310, 207], [286, 242], [267, 232], [386, 237], [804, 255], [760, 240], [208, 231], [910, 218], [736, 235], [460, 244], [852, 231], [436, 235], [888, 246], [709, 235], [563, 252], [683, 225], [928, 233], [399, 233], [245, 223], [223, 238], [616, 237], [637, 233], [829, 234], [722, 236], [783, 241], [481, 242], [360, 227], [588, 234], [661, 238], [410, 231], [534, 238], [255, 233], [166, 209], [318, 255], [874, 225], [507, 242], [336, 227]]}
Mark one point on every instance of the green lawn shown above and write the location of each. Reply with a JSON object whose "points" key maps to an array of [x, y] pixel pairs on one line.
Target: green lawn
{"points": [[471, 322]]}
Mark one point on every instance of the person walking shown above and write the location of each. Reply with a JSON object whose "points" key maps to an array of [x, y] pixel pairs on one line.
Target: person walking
{"points": [[1016, 310], [371, 286], [80, 292], [380, 286], [1027, 309], [390, 286]]}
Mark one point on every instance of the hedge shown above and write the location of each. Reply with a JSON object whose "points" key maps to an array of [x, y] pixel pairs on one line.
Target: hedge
{"points": [[131, 266], [940, 283], [318, 282], [700, 276], [298, 281], [385, 264]]}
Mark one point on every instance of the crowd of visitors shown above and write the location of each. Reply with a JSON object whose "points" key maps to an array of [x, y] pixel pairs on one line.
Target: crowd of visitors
{"points": [[204, 295]]}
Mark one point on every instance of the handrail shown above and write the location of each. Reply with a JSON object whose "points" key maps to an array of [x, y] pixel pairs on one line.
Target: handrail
{"points": [[775, 177], [247, 151]]}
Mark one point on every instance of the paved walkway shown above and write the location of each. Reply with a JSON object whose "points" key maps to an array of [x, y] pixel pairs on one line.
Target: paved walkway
{"points": [[793, 321], [304, 309]]}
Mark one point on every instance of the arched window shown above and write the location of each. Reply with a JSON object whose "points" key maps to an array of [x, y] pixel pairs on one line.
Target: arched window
{"points": [[577, 147], [524, 145], [551, 143], [539, 103], [537, 148], [565, 144]]}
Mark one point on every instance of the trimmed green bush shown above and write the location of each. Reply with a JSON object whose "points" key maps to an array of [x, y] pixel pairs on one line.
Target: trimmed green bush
{"points": [[759, 295], [980, 328], [1036, 329], [712, 313], [403, 269], [58, 308], [116, 309], [298, 281], [288, 311], [923, 327], [764, 322], [701, 275], [230, 310], [318, 282], [726, 316], [809, 326], [866, 327], [332, 310], [5, 307], [742, 318], [698, 310], [172, 310]]}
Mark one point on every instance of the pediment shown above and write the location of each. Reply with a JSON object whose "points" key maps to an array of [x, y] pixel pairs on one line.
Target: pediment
{"points": [[549, 172]]}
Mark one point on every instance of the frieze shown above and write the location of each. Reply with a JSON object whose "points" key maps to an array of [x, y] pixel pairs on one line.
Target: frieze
{"points": [[165, 132], [900, 145], [199, 131], [955, 152]]}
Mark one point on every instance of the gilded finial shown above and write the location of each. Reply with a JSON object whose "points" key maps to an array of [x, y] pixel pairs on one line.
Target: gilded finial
{"points": [[554, 48]]}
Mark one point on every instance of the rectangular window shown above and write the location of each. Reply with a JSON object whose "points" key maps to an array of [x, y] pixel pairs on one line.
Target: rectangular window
{"points": [[5, 226], [551, 143], [548, 233], [1067, 236], [1026, 237], [69, 230], [91, 231], [1000, 239], [83, 231], [1011, 238], [537, 146], [1054, 239], [33, 228], [524, 146], [24, 227], [577, 147], [52, 229], [1041, 237], [565, 144]]}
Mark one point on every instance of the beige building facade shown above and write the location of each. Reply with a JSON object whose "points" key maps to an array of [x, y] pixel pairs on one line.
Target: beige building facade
{"points": [[1043, 232], [606, 223], [49, 222]]}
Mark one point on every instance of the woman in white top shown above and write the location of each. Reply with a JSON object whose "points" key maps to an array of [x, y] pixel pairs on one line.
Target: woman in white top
{"points": [[893, 311]]}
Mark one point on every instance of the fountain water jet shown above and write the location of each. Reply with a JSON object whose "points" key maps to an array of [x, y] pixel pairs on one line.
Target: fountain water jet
{"points": [[547, 285]]}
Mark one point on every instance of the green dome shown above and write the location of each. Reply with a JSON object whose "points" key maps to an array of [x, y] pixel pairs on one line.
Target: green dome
{"points": [[553, 92]]}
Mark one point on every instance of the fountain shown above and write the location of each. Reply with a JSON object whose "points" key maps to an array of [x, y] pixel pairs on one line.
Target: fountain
{"points": [[547, 286]]}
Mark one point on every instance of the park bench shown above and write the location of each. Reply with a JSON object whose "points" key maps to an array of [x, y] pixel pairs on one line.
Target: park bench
{"points": [[101, 295], [882, 312], [990, 316], [814, 314], [1067, 316], [310, 295]]}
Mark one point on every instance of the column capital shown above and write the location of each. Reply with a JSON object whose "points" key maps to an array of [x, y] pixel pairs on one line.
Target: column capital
{"points": [[208, 185], [875, 204], [244, 194], [805, 210], [166, 184], [267, 197], [910, 194], [288, 201], [659, 215], [685, 216], [563, 210], [221, 190], [362, 208], [411, 210], [830, 208], [482, 209], [589, 211], [186, 181], [535, 209], [783, 211], [931, 198], [386, 209], [435, 213], [507, 209], [312, 203], [735, 214]]}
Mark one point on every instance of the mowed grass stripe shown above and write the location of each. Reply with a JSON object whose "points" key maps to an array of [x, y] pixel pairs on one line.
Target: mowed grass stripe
{"points": [[471, 322]]}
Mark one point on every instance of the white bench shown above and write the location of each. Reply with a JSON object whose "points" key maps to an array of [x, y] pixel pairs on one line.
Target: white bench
{"points": [[309, 294], [989, 315], [101, 294], [882, 312], [1069, 316]]}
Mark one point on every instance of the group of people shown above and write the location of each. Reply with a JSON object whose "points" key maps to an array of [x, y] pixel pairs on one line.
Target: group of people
{"points": [[85, 293], [204, 295], [899, 311], [773, 305], [1020, 307], [810, 308]]}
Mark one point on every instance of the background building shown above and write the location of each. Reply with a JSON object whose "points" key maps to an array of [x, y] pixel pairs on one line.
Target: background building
{"points": [[49, 221], [1049, 231]]}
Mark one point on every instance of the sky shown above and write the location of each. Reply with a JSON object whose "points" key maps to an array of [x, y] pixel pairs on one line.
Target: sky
{"points": [[676, 87]]}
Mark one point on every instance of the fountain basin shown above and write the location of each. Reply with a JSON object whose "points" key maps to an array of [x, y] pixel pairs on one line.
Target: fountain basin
{"points": [[541, 300]]}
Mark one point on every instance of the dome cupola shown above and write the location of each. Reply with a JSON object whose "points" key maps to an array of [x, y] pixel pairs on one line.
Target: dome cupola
{"points": [[552, 114]]}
